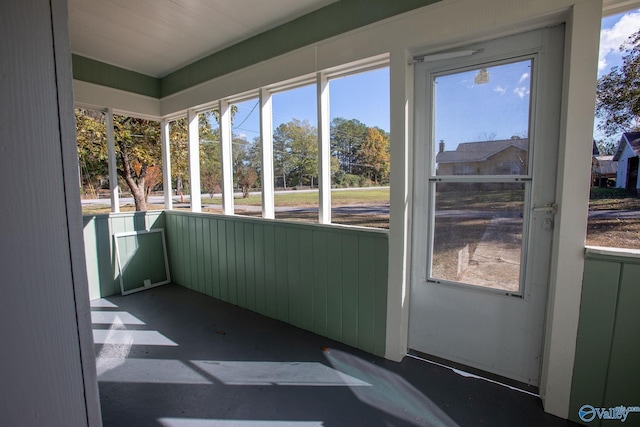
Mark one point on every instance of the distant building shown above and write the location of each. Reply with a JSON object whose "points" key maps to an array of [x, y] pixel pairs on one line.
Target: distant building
{"points": [[603, 169], [627, 157], [503, 157]]}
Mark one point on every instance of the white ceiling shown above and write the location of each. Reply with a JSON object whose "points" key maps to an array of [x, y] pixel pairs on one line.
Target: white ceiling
{"points": [[156, 37]]}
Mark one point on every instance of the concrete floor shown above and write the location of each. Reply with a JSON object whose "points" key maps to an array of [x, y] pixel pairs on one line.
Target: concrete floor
{"points": [[172, 357]]}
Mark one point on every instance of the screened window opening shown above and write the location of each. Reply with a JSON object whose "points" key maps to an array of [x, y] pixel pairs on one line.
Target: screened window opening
{"points": [[614, 204], [210, 161], [93, 164], [360, 155], [246, 156], [295, 154], [139, 163]]}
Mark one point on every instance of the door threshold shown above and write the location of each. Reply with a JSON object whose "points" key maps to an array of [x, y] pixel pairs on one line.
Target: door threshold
{"points": [[468, 371]]}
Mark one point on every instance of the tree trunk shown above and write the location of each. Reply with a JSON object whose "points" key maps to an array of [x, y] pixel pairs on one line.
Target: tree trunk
{"points": [[139, 197], [135, 185]]}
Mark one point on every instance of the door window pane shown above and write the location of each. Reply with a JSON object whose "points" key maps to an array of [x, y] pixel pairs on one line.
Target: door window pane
{"points": [[477, 236], [482, 120]]}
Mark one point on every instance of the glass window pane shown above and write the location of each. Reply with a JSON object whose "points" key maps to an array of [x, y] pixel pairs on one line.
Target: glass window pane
{"points": [[482, 120], [179, 155], [93, 166], [139, 160], [295, 154], [210, 161], [360, 155], [478, 234], [247, 158]]}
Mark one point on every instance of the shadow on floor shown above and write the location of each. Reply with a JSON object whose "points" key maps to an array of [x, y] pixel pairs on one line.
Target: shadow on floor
{"points": [[171, 357]]}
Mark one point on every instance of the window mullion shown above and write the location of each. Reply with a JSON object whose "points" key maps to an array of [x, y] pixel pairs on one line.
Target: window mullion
{"points": [[113, 165], [227, 163], [266, 139], [324, 157], [194, 162], [166, 164]]}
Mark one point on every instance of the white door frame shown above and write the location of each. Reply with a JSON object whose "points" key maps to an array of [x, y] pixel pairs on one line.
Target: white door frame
{"points": [[525, 364]]}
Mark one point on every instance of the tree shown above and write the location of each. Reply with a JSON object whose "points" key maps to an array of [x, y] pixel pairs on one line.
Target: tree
{"points": [[244, 172], [210, 153], [346, 138], [374, 155], [246, 177], [138, 149], [618, 92], [91, 139], [295, 153]]}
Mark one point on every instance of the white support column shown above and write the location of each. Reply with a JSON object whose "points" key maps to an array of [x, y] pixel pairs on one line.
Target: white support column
{"points": [[266, 137], [166, 164], [194, 162], [572, 197], [114, 190], [401, 105], [324, 150], [227, 161]]}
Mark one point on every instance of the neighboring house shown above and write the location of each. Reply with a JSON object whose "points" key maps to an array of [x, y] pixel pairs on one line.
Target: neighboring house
{"points": [[503, 157], [627, 157], [603, 169]]}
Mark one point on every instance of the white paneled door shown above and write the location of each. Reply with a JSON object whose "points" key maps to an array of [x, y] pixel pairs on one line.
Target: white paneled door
{"points": [[486, 148]]}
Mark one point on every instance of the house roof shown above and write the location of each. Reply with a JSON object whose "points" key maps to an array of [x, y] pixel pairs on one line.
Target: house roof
{"points": [[630, 139], [480, 150], [605, 165]]}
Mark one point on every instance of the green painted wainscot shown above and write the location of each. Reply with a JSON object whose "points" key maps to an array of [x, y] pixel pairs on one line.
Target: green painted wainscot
{"points": [[102, 271], [606, 373], [331, 280]]}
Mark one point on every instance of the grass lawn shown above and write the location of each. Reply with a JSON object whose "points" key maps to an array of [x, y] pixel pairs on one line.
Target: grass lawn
{"points": [[612, 231], [308, 198]]}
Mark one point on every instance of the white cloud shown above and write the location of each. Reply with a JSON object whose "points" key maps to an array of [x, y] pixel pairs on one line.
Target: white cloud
{"points": [[500, 90], [524, 77], [612, 38], [521, 91]]}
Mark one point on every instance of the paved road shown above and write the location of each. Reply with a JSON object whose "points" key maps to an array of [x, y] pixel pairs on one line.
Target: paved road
{"points": [[353, 209]]}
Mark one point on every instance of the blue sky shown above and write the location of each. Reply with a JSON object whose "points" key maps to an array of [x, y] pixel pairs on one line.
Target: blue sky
{"points": [[365, 97], [497, 109], [615, 30]]}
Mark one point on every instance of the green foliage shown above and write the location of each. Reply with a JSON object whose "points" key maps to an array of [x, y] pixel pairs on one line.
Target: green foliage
{"points": [[374, 154], [618, 92], [295, 154], [246, 160], [138, 152], [606, 147], [210, 153], [360, 154], [347, 180], [361, 151], [347, 136], [92, 149]]}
